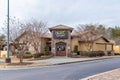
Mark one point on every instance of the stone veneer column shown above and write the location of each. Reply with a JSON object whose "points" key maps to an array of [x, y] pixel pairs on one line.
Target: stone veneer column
{"points": [[67, 41], [68, 46], [53, 46]]}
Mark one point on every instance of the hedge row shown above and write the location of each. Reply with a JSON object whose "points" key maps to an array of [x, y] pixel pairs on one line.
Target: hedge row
{"points": [[117, 53], [29, 55], [91, 53]]}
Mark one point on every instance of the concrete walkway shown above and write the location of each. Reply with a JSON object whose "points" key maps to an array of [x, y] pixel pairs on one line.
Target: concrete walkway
{"points": [[56, 61], [109, 75], [65, 60]]}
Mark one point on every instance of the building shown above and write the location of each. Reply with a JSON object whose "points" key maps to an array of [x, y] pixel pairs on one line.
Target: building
{"points": [[62, 40]]}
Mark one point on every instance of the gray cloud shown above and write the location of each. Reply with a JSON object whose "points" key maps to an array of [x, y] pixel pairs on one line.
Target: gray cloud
{"points": [[69, 12]]}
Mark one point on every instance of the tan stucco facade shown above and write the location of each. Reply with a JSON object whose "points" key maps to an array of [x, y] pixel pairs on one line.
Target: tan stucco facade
{"points": [[74, 42], [68, 43], [95, 47], [63, 41]]}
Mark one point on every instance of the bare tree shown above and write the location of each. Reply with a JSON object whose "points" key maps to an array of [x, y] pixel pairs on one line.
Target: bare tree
{"points": [[87, 38], [2, 37], [22, 34], [37, 30], [95, 28], [16, 29], [2, 41], [88, 33]]}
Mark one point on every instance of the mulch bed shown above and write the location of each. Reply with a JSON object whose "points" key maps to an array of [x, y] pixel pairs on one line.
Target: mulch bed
{"points": [[41, 58], [19, 64], [79, 56]]}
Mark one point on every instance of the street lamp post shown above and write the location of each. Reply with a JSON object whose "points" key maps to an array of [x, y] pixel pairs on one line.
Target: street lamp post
{"points": [[8, 59]]}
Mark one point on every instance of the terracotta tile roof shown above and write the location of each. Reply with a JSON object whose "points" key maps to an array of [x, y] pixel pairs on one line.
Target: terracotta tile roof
{"points": [[47, 35], [24, 33], [90, 36], [61, 27], [75, 34], [2, 43]]}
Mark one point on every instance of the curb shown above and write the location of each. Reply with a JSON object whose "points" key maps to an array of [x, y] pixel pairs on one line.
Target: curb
{"points": [[81, 61], [87, 78], [34, 65], [102, 58]]}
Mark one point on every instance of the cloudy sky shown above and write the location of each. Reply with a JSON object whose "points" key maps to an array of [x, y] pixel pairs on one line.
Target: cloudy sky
{"points": [[67, 12]]}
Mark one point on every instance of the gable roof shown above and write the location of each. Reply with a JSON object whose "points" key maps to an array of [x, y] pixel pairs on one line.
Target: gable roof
{"points": [[46, 35], [21, 35], [90, 37], [61, 27]]}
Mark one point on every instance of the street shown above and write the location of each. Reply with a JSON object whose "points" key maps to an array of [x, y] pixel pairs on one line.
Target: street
{"points": [[74, 71], [1, 62]]}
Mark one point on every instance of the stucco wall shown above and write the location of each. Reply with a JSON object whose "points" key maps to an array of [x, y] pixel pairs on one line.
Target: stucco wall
{"points": [[96, 47], [117, 49], [82, 47], [74, 42], [43, 43], [3, 54]]}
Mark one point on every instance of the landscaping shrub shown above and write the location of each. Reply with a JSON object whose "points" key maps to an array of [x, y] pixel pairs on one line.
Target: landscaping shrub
{"points": [[84, 53], [73, 53], [46, 50], [27, 56], [27, 52], [24, 55], [37, 55], [75, 48], [100, 53], [91, 53], [117, 53]]}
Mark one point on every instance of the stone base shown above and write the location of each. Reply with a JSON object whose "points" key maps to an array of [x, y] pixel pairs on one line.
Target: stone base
{"points": [[8, 60]]}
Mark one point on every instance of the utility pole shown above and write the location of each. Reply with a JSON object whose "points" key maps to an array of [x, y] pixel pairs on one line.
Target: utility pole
{"points": [[8, 59]]}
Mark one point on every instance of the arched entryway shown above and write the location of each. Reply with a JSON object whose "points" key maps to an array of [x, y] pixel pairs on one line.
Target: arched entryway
{"points": [[60, 49]]}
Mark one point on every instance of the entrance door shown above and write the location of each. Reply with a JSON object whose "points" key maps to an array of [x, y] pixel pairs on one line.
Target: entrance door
{"points": [[61, 49]]}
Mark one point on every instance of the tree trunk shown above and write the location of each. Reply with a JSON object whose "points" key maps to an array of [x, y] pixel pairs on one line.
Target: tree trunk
{"points": [[21, 57]]}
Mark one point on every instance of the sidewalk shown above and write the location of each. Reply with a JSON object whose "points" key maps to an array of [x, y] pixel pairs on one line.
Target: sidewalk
{"points": [[109, 75], [55, 61], [67, 60]]}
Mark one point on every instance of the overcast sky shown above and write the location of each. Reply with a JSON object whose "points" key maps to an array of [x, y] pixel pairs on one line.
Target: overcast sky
{"points": [[67, 12]]}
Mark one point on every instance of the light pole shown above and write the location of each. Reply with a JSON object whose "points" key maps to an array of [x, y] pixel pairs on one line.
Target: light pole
{"points": [[8, 60]]}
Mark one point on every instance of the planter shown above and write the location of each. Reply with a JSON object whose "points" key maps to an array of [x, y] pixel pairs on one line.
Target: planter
{"points": [[46, 56], [73, 54]]}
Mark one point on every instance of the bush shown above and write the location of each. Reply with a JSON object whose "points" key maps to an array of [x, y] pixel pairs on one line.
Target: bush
{"points": [[37, 55], [117, 53], [27, 56], [46, 50], [100, 53], [84, 53], [73, 53], [92, 53], [24, 56], [76, 49], [27, 52]]}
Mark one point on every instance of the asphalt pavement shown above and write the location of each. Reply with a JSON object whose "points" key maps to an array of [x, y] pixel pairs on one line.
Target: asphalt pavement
{"points": [[1, 62], [74, 71]]}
